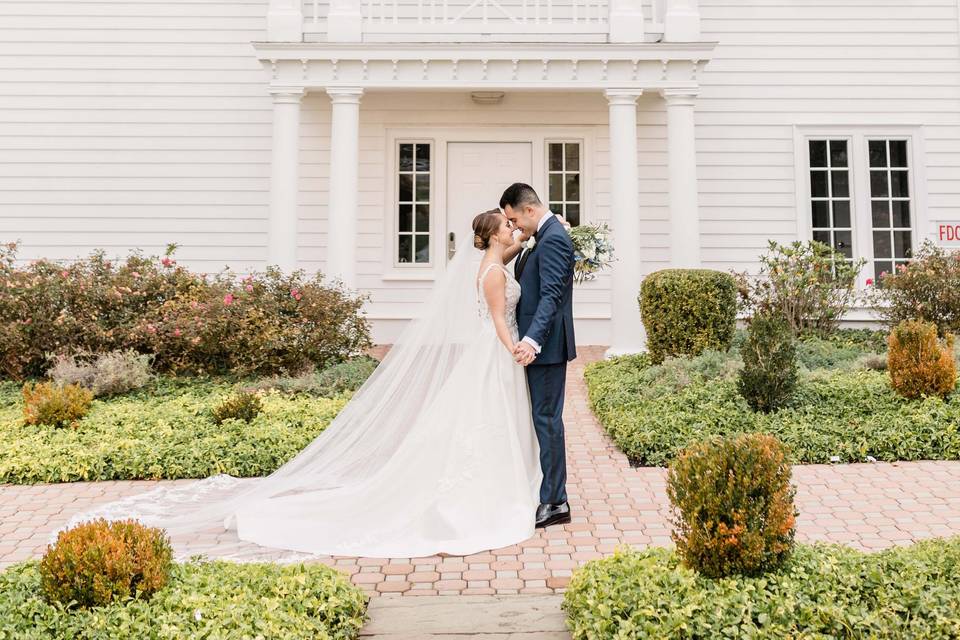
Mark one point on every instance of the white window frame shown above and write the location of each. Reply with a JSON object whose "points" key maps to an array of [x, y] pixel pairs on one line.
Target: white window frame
{"points": [[440, 137], [858, 137], [580, 172]]}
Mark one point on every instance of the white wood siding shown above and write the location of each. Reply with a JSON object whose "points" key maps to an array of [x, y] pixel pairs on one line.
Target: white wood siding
{"points": [[782, 63], [134, 123]]}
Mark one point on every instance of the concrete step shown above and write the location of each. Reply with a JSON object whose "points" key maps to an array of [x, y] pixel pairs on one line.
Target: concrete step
{"points": [[533, 617]]}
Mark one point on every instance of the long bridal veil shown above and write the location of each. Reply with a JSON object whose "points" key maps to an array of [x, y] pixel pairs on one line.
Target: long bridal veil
{"points": [[199, 515]]}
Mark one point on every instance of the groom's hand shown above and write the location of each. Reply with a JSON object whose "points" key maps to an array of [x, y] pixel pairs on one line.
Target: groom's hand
{"points": [[524, 353]]}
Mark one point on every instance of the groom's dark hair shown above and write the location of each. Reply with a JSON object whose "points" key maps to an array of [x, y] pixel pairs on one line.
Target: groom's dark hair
{"points": [[519, 195]]}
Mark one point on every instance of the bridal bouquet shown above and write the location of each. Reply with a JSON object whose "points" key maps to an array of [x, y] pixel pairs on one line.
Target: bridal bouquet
{"points": [[593, 250]]}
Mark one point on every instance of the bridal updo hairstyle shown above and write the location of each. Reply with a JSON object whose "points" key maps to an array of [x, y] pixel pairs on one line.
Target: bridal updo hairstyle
{"points": [[485, 226]]}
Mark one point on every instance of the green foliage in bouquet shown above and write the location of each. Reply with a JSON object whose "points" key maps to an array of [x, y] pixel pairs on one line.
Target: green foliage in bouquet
{"points": [[593, 250]]}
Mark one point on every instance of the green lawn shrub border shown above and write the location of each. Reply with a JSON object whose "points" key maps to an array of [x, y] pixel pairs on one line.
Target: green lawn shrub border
{"points": [[221, 600], [845, 415], [162, 431], [822, 591]]}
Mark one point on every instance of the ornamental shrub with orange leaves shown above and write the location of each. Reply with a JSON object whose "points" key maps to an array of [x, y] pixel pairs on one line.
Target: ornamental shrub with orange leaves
{"points": [[733, 505], [919, 363], [54, 404], [98, 562]]}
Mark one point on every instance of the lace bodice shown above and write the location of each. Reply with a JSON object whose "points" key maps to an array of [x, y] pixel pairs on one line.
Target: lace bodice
{"points": [[512, 297]]}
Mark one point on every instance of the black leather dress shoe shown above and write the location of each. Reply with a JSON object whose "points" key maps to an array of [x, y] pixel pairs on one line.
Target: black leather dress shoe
{"points": [[548, 514]]}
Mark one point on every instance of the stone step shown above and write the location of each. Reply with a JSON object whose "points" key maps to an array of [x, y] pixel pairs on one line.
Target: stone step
{"points": [[534, 617]]}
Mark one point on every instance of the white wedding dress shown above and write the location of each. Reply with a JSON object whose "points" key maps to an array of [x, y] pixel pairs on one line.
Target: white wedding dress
{"points": [[435, 453]]}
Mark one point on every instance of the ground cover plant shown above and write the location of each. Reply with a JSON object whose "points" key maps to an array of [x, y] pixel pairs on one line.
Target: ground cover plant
{"points": [[842, 409], [164, 430], [821, 591], [222, 600]]}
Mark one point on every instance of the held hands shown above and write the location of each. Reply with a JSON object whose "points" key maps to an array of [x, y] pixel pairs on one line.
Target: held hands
{"points": [[523, 353]]}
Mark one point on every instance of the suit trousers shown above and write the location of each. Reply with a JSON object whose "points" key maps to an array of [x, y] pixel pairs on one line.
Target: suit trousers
{"points": [[546, 383]]}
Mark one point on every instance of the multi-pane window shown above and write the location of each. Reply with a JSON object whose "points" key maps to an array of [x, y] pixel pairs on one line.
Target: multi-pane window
{"points": [[563, 180], [890, 204], [413, 202], [830, 195]]}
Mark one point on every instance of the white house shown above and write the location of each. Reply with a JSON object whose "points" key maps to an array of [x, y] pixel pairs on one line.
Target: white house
{"points": [[358, 137]]}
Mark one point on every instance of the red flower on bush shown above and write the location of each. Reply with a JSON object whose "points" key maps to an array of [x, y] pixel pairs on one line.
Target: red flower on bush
{"points": [[167, 262], [869, 282], [228, 299]]}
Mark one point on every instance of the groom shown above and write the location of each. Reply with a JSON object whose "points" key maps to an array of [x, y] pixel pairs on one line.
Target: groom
{"points": [[545, 320]]}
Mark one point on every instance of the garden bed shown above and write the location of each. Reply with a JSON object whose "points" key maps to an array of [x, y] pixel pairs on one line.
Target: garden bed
{"points": [[822, 591], [202, 600], [162, 431], [842, 410]]}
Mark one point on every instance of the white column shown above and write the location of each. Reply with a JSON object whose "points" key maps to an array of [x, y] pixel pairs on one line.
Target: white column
{"points": [[285, 21], [627, 334], [682, 172], [284, 177], [344, 21], [626, 21], [681, 23], [344, 184]]}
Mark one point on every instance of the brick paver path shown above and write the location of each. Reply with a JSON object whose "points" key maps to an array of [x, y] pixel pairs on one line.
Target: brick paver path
{"points": [[870, 506]]}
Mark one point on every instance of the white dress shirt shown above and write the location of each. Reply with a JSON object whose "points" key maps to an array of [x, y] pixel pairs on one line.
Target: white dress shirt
{"points": [[543, 221]]}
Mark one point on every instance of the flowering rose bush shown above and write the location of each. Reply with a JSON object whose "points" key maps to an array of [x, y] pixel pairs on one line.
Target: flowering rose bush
{"points": [[808, 284], [928, 288], [265, 323]]}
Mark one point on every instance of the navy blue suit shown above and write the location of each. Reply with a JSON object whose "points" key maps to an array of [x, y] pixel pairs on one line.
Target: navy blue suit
{"points": [[545, 314]]}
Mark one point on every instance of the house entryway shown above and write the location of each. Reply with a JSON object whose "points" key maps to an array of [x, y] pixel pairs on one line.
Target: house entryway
{"points": [[477, 174]]}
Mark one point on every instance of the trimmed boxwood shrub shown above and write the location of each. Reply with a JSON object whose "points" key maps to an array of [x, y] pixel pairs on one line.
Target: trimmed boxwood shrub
{"points": [[164, 430], [733, 505], [99, 562], [850, 414], [686, 311], [822, 591], [223, 600]]}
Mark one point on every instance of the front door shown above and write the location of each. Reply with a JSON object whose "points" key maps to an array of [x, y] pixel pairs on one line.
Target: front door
{"points": [[477, 174]]}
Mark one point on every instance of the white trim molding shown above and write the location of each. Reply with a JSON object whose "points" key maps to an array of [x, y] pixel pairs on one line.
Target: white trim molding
{"points": [[485, 67]]}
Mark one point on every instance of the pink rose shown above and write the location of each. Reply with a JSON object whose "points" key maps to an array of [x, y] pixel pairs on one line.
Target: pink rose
{"points": [[228, 299], [249, 287], [64, 273], [167, 262], [176, 332], [295, 294], [135, 274], [883, 273]]}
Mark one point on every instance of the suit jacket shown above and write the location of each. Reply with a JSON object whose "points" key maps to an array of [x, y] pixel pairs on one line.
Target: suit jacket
{"points": [[545, 311]]}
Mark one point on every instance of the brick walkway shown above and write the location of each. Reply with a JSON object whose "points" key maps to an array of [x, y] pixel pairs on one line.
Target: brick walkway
{"points": [[870, 506]]}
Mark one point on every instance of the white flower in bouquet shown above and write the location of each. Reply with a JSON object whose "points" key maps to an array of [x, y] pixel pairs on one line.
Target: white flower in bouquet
{"points": [[593, 250]]}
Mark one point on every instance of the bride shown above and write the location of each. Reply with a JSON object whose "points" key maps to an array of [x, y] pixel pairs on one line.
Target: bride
{"points": [[435, 453]]}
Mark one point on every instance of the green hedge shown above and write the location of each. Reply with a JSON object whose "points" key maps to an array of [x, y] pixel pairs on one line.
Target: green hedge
{"points": [[823, 591], [219, 600], [686, 311], [164, 430], [848, 413]]}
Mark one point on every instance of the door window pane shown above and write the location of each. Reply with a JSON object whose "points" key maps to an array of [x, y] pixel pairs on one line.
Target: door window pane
{"points": [[563, 180], [890, 196], [413, 202], [831, 221]]}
